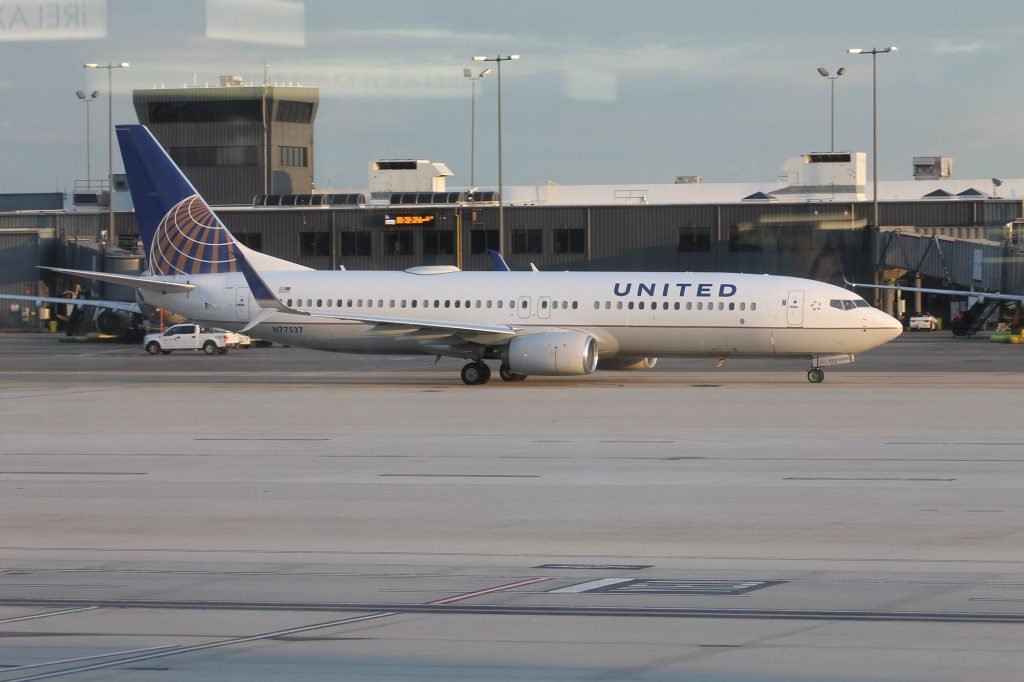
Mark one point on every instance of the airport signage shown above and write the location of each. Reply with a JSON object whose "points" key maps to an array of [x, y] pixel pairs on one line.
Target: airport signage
{"points": [[411, 219]]}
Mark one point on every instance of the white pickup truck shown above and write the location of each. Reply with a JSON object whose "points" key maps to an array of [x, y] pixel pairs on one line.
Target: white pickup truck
{"points": [[923, 321], [189, 336]]}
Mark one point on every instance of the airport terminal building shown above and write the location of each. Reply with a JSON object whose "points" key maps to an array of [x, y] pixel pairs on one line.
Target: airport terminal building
{"points": [[249, 150]]}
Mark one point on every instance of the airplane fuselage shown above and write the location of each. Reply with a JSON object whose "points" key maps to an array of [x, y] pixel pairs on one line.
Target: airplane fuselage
{"points": [[629, 314]]}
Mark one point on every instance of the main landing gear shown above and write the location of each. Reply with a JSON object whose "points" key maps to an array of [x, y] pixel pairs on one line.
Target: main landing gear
{"points": [[477, 372], [816, 375]]}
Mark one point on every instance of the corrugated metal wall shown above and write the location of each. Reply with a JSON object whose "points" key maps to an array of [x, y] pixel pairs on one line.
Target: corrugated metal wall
{"points": [[20, 252]]}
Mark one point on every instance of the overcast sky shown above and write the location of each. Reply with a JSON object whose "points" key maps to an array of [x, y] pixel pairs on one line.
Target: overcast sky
{"points": [[605, 92]]}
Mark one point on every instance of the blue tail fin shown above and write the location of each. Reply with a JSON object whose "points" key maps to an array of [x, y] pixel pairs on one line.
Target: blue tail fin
{"points": [[182, 235], [497, 262]]}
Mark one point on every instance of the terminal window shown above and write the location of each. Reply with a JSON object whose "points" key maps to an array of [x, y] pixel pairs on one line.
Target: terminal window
{"points": [[745, 238], [481, 240], [254, 240], [695, 238], [527, 241], [399, 243], [438, 242], [314, 244], [294, 156], [356, 243], [569, 240]]}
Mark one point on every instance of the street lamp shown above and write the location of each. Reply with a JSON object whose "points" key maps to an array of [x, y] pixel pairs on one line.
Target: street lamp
{"points": [[840, 72], [468, 73], [88, 99], [874, 52], [110, 66], [501, 186]]}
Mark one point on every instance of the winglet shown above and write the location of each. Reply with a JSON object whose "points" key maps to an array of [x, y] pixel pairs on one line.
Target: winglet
{"points": [[498, 262]]}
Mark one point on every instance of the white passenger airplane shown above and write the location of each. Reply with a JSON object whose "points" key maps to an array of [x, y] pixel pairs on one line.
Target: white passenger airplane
{"points": [[541, 323]]}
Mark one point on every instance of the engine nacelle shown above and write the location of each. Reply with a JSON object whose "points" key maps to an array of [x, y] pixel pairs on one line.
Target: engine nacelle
{"points": [[112, 322], [552, 354], [627, 362]]}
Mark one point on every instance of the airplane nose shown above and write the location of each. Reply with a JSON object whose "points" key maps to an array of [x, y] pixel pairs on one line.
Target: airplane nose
{"points": [[891, 324]]}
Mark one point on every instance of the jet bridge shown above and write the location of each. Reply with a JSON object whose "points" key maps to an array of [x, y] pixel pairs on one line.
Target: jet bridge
{"points": [[969, 264]]}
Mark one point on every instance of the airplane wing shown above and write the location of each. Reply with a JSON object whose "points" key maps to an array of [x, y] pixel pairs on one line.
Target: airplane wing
{"points": [[414, 323], [945, 292], [97, 303], [134, 281]]}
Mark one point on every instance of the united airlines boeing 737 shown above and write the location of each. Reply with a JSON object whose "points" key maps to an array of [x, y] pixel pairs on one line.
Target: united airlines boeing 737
{"points": [[540, 323]]}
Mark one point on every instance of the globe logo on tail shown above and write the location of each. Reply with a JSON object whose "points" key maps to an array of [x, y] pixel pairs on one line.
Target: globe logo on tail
{"points": [[191, 240]]}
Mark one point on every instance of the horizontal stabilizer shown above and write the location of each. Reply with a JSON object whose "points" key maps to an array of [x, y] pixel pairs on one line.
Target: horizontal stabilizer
{"points": [[136, 281], [60, 300]]}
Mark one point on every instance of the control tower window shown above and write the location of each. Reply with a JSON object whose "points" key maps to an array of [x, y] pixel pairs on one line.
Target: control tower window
{"points": [[294, 156], [294, 112], [214, 156], [205, 111]]}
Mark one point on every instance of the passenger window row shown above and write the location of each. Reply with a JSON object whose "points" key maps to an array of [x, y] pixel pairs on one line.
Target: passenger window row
{"points": [[544, 304]]}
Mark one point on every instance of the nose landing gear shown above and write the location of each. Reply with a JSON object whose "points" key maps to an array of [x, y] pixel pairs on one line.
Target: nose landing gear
{"points": [[816, 375]]}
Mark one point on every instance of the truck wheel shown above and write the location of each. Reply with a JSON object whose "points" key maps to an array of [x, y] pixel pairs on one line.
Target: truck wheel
{"points": [[153, 348], [210, 348]]}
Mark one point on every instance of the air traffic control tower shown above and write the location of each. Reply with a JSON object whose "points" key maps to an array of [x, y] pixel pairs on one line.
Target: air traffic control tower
{"points": [[238, 140]]}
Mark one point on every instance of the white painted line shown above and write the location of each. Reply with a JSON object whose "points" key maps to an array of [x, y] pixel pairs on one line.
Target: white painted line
{"points": [[201, 647], [88, 658], [47, 615], [489, 590], [592, 585]]}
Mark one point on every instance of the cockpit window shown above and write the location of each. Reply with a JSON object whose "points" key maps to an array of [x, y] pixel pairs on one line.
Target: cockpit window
{"points": [[847, 304]]}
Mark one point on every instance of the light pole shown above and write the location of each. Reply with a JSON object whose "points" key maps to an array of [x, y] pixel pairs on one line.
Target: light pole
{"points": [[468, 73], [874, 52], [501, 186], [832, 79], [88, 99], [110, 66]]}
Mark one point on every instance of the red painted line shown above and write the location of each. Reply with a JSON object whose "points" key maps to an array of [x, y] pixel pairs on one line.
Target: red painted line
{"points": [[489, 590]]}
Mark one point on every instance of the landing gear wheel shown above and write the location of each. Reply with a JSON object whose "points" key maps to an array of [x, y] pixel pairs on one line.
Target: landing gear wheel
{"points": [[816, 375], [506, 374], [475, 373], [210, 348], [153, 348]]}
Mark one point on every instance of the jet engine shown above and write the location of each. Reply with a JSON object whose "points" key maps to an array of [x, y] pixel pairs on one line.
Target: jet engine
{"points": [[627, 362], [112, 322], [552, 354]]}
